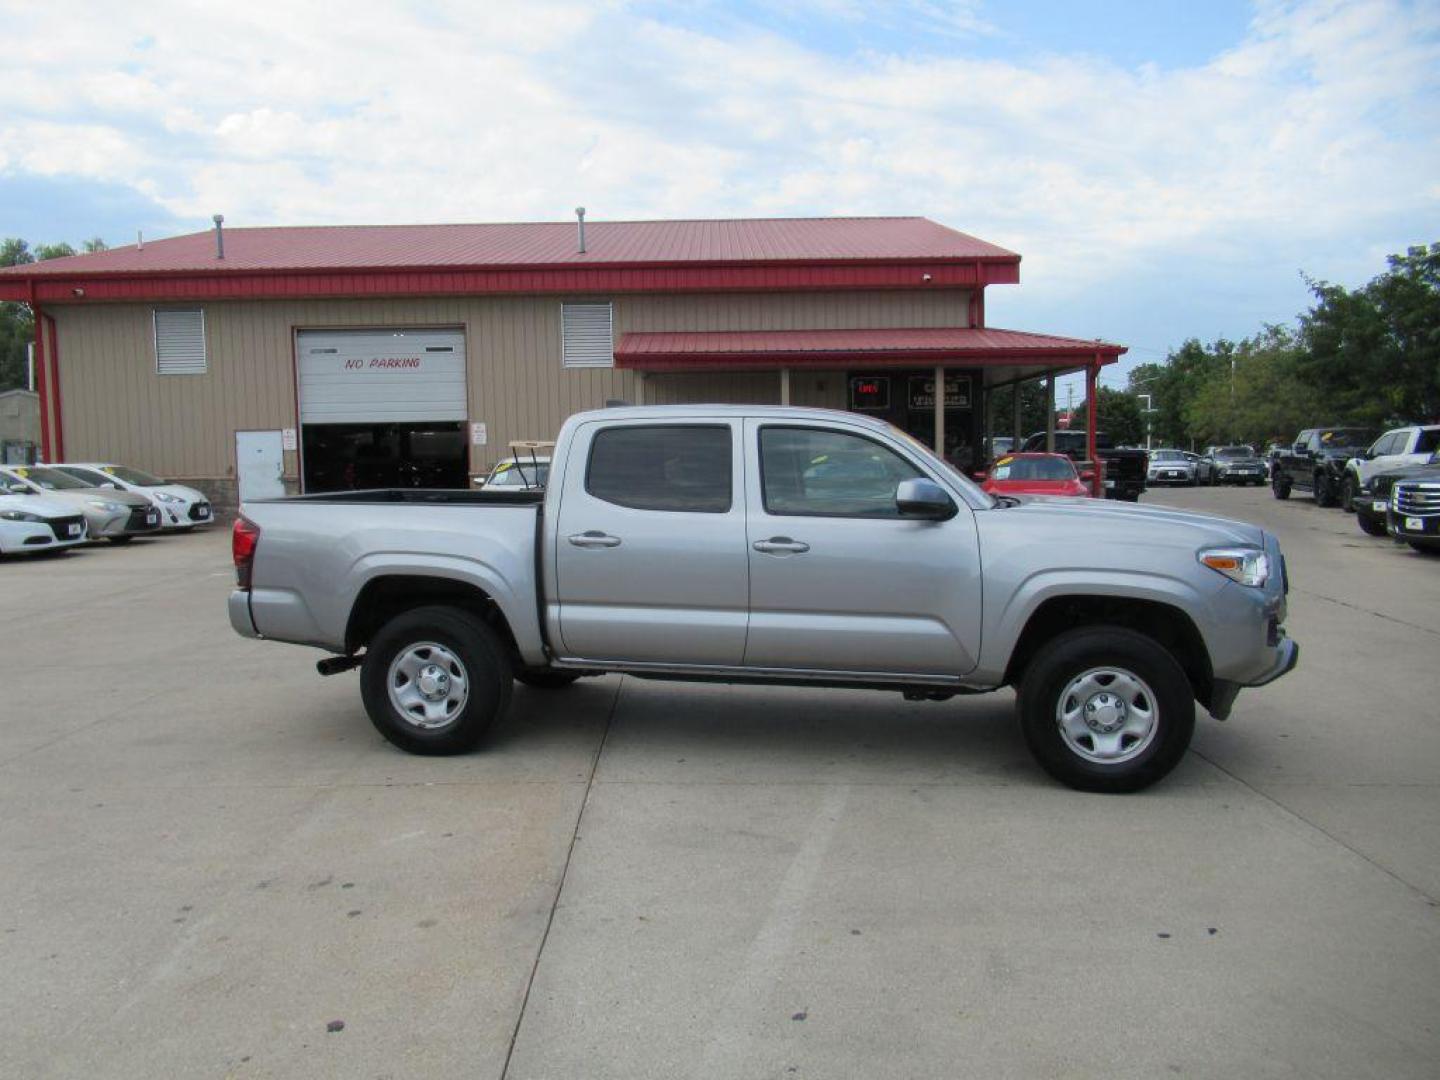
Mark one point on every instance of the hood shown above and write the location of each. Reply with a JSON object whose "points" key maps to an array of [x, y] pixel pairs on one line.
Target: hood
{"points": [[189, 494], [85, 496], [46, 506], [1133, 522], [1383, 480]]}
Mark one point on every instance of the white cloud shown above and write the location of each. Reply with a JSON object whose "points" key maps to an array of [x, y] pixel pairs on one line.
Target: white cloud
{"points": [[1319, 124]]}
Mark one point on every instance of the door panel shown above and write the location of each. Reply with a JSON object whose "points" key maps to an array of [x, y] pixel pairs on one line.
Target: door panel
{"points": [[868, 592], [665, 578], [260, 464]]}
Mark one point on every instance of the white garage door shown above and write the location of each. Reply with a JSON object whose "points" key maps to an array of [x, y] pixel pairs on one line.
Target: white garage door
{"points": [[374, 376]]}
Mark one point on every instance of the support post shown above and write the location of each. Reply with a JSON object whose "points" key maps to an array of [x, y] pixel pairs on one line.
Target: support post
{"points": [[1015, 416], [1050, 413], [940, 411], [41, 382], [1091, 381], [784, 386]]}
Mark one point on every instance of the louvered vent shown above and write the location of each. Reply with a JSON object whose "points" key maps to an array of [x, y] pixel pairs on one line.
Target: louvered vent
{"points": [[586, 335], [180, 342]]}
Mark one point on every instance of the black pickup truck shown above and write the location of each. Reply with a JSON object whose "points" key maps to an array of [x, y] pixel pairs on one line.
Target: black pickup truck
{"points": [[1123, 471], [1315, 462]]}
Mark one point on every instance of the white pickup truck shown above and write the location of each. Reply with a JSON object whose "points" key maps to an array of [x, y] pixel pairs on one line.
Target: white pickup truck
{"points": [[773, 545]]}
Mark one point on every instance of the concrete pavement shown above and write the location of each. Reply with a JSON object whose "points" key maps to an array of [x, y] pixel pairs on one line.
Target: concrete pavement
{"points": [[207, 856]]}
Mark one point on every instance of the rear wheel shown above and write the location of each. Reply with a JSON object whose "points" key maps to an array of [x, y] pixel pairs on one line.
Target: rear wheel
{"points": [[1106, 709], [1347, 494], [434, 680]]}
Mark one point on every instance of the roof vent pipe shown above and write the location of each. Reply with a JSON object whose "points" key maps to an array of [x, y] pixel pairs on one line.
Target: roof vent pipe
{"points": [[219, 220], [139, 240], [580, 217]]}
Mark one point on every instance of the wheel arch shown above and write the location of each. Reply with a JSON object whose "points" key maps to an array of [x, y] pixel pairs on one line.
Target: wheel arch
{"points": [[1166, 623], [385, 596]]}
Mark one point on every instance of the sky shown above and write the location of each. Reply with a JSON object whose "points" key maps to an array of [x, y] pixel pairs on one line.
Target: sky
{"points": [[1167, 169]]}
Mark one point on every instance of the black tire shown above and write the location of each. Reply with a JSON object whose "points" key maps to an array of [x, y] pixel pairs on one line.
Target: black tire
{"points": [[1072, 654], [547, 680], [120, 539], [485, 665], [1280, 489], [1424, 547], [1347, 494], [1324, 491], [1371, 526]]}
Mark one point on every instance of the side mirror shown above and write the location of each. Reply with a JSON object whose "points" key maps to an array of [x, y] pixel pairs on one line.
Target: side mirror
{"points": [[1088, 476], [112, 486], [924, 499]]}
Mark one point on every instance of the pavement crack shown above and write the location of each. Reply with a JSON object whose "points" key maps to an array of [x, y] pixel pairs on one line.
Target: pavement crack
{"points": [[560, 885], [1367, 611], [1302, 819]]}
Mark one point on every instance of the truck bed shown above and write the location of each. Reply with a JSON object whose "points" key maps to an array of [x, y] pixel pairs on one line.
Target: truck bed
{"points": [[426, 496]]}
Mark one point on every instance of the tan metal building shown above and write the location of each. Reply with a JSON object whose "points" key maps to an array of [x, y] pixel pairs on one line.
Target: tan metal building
{"points": [[322, 358]]}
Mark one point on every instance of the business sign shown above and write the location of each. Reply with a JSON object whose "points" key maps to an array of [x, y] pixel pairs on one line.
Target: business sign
{"points": [[870, 392], [957, 392]]}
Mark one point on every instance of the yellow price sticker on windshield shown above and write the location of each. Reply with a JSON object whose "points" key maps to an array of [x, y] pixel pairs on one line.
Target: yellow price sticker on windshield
{"points": [[503, 466], [22, 472], [1004, 461]]}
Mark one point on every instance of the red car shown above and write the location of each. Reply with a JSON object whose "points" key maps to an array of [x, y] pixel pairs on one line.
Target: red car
{"points": [[1035, 474]]}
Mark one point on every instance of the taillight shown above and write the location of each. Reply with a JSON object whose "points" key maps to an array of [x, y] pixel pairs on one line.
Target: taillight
{"points": [[243, 540]]}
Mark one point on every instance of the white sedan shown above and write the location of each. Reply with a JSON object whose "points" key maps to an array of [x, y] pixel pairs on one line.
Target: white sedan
{"points": [[180, 507], [31, 523]]}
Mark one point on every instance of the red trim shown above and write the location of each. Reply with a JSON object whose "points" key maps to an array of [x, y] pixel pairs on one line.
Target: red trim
{"points": [[59, 398], [509, 280], [1091, 381], [41, 386], [765, 361]]}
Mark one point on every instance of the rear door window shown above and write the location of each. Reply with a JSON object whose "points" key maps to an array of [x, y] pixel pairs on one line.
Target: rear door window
{"points": [[678, 468]]}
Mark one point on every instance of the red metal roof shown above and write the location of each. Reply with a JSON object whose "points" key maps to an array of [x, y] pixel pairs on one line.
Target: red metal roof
{"points": [[813, 348], [535, 244]]}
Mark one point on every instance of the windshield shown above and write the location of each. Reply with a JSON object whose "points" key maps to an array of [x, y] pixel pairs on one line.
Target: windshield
{"points": [[1346, 437], [1167, 455], [971, 489], [50, 479], [519, 474], [1033, 468], [1235, 452], [138, 477]]}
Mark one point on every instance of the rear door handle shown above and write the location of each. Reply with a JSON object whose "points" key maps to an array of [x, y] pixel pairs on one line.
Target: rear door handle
{"points": [[594, 538], [781, 545]]}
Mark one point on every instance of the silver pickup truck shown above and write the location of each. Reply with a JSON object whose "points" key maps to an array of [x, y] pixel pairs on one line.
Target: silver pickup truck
{"points": [[773, 545]]}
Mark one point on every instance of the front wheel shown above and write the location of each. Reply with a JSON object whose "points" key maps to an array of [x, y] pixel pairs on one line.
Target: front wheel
{"points": [[1371, 526], [1280, 489], [1347, 494], [434, 680], [1106, 709], [1324, 491]]}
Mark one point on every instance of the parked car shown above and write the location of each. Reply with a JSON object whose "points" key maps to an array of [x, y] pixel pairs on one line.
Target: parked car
{"points": [[1230, 465], [1316, 461], [30, 523], [1394, 449], [1170, 467], [1415, 512], [707, 542], [181, 508], [522, 472], [117, 516], [1000, 445], [1035, 474], [1122, 472], [1372, 508]]}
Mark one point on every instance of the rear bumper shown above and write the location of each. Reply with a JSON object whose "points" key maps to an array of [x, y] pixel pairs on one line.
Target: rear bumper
{"points": [[239, 610]]}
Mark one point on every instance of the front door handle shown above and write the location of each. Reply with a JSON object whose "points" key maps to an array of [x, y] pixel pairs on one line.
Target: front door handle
{"points": [[594, 538], [781, 545]]}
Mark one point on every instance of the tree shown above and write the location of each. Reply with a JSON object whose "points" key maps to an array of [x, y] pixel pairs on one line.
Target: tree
{"points": [[1032, 408], [1265, 398], [1117, 414], [16, 322], [95, 244], [53, 251]]}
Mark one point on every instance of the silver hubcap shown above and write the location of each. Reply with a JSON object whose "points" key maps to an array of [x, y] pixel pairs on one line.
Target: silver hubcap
{"points": [[428, 686], [1107, 715]]}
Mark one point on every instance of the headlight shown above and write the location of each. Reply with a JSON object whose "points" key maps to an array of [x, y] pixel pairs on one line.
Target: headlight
{"points": [[1248, 566], [166, 497], [108, 507], [20, 515]]}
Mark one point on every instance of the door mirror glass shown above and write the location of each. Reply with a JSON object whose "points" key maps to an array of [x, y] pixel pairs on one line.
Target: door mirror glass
{"points": [[923, 498]]}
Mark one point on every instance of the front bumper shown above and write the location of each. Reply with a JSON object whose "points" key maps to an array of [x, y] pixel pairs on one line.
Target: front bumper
{"points": [[1224, 692]]}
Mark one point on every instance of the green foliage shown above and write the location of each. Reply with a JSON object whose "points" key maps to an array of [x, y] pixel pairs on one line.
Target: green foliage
{"points": [[1117, 414], [16, 323], [1032, 409]]}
